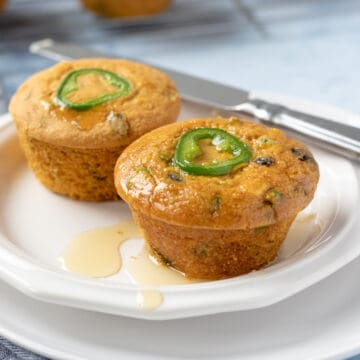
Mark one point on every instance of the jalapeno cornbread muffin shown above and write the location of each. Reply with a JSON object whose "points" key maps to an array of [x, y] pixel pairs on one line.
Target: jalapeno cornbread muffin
{"points": [[2, 4], [75, 118], [216, 197], [126, 8]]}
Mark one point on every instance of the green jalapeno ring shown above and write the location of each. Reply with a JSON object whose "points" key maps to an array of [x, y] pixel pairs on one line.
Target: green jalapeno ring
{"points": [[187, 149], [69, 85]]}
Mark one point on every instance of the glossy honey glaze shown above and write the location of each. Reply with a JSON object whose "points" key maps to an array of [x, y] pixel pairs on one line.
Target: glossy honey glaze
{"points": [[209, 153], [145, 269], [95, 253], [149, 299], [90, 86]]}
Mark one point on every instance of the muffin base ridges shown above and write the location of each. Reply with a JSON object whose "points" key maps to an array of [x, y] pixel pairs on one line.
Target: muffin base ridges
{"points": [[211, 253], [83, 174]]}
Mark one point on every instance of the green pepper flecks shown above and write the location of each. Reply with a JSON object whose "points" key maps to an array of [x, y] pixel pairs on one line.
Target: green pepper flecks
{"points": [[166, 157], [272, 197], [130, 183], [202, 250], [69, 85], [144, 169], [187, 149], [215, 205], [266, 141], [260, 229]]}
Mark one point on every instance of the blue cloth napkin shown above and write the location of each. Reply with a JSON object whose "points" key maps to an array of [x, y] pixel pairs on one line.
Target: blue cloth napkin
{"points": [[10, 351]]}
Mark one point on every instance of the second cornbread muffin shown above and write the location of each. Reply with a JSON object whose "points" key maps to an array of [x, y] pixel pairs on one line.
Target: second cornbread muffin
{"points": [[75, 118], [216, 197], [126, 8]]}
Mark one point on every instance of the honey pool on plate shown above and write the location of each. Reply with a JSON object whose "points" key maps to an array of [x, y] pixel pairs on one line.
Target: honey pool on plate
{"points": [[97, 253]]}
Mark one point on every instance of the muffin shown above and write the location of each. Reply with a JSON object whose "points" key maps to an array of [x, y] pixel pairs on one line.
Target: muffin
{"points": [[2, 4], [215, 197], [126, 8], [75, 118]]}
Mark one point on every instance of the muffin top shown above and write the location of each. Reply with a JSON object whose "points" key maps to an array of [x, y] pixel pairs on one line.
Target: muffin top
{"points": [[94, 103], [217, 173]]}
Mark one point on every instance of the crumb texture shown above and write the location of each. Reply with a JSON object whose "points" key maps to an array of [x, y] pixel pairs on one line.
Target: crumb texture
{"points": [[212, 254], [82, 174]]}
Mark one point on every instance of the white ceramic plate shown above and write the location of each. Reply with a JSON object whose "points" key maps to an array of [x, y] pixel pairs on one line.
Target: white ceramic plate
{"points": [[319, 323], [35, 226]]}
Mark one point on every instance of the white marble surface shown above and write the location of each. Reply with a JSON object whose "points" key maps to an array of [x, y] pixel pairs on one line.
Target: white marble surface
{"points": [[303, 48]]}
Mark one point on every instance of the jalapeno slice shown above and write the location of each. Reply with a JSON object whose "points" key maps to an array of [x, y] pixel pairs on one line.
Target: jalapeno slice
{"points": [[188, 149], [69, 85]]}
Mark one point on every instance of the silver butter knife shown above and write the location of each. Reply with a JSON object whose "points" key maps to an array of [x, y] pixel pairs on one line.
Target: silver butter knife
{"points": [[340, 138]]}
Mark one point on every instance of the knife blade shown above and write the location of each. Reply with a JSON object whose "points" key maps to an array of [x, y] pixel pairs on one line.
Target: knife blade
{"points": [[332, 135], [188, 86]]}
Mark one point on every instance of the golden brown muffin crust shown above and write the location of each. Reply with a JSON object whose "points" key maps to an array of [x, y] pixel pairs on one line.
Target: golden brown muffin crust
{"points": [[252, 196], [153, 102], [86, 174], [125, 8], [212, 253]]}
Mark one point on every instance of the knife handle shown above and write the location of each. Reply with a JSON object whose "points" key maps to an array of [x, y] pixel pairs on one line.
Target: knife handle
{"points": [[335, 136]]}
